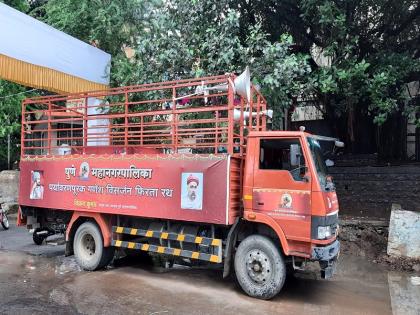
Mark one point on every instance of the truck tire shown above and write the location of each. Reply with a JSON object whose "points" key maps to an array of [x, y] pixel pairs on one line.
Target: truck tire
{"points": [[259, 267], [89, 248]]}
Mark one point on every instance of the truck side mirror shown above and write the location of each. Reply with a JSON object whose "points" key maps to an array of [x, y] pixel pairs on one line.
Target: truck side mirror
{"points": [[295, 155]]}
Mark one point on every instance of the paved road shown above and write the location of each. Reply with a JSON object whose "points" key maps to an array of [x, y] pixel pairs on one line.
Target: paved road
{"points": [[40, 280]]}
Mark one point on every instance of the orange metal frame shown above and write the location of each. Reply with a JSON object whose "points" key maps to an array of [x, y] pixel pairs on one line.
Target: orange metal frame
{"points": [[172, 116]]}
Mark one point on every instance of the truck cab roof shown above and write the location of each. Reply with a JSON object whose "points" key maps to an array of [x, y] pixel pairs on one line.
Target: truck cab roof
{"points": [[277, 134]]}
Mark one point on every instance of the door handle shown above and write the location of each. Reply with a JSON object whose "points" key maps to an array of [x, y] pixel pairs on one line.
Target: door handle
{"points": [[260, 203]]}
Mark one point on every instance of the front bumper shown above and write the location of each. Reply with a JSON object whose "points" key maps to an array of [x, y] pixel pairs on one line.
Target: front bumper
{"points": [[326, 253], [327, 257]]}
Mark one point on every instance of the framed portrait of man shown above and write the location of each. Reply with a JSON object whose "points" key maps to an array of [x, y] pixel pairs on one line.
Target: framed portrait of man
{"points": [[37, 187], [192, 191]]}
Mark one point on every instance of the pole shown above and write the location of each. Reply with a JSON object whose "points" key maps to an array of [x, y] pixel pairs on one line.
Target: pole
{"points": [[8, 151]]}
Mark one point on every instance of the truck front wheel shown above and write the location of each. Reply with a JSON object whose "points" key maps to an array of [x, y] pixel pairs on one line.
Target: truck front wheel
{"points": [[89, 247], [259, 267]]}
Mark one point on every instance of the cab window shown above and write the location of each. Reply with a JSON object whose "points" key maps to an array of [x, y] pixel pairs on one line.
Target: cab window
{"points": [[283, 154]]}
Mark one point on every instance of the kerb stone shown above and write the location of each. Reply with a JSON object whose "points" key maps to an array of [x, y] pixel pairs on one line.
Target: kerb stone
{"points": [[404, 233]]}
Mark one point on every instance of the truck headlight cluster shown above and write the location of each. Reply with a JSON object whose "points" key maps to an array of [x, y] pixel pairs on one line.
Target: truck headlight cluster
{"points": [[324, 232]]}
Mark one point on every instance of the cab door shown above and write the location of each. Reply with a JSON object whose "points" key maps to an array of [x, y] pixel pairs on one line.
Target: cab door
{"points": [[282, 185]]}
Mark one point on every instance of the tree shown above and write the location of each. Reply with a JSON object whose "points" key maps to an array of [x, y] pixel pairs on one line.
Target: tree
{"points": [[20, 5], [370, 69], [113, 26], [372, 46], [373, 49], [178, 39], [198, 38], [11, 96]]}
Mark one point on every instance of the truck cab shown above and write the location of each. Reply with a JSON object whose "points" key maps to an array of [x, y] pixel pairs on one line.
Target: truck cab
{"points": [[287, 187]]}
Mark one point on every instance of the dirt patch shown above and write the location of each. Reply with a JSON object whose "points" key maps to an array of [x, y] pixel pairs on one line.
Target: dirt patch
{"points": [[369, 239]]}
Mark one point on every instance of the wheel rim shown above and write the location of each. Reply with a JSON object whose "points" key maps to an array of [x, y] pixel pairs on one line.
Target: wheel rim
{"points": [[258, 266], [88, 246], [5, 221]]}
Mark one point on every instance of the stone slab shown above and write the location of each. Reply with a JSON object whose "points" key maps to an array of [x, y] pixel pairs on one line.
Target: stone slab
{"points": [[404, 233], [404, 293]]}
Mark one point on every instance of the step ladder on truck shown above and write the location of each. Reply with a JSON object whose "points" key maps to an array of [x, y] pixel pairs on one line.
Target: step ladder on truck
{"points": [[182, 169]]}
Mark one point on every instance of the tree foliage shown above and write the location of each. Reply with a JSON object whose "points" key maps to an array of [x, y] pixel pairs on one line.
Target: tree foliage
{"points": [[372, 46], [181, 38], [374, 51], [110, 25], [11, 97], [199, 38]]}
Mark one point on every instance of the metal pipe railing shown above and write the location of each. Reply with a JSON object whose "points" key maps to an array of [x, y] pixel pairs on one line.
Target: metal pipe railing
{"points": [[131, 117]]}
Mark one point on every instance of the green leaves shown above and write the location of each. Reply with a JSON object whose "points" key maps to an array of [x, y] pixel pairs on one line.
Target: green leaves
{"points": [[11, 96], [198, 38], [386, 87], [370, 66], [371, 47], [110, 25]]}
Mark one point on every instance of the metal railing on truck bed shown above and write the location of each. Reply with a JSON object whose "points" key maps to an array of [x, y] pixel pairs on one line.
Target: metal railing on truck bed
{"points": [[202, 115]]}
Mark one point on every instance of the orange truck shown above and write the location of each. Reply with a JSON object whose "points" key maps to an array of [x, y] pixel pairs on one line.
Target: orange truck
{"points": [[185, 170]]}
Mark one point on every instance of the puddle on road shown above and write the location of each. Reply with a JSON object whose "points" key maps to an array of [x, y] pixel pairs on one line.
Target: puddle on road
{"points": [[403, 292], [18, 263], [66, 265], [358, 287]]}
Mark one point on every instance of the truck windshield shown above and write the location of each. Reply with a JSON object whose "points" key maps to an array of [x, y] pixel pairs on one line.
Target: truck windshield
{"points": [[319, 161]]}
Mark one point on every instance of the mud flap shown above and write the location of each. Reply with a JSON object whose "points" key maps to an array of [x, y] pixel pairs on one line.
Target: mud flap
{"points": [[327, 257], [328, 271], [69, 249], [231, 240]]}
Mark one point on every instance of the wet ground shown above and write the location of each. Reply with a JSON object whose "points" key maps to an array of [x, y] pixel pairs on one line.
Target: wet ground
{"points": [[40, 280]]}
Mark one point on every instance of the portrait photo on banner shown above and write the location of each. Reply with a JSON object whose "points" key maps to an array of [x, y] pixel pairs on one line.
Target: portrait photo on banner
{"points": [[192, 191], [37, 187]]}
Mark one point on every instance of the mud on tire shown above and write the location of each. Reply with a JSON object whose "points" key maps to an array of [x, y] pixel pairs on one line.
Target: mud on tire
{"points": [[259, 267], [89, 247]]}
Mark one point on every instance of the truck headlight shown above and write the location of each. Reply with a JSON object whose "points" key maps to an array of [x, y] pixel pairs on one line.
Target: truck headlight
{"points": [[324, 232]]}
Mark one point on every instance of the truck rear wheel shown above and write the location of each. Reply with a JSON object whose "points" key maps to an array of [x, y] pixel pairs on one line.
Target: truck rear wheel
{"points": [[259, 267], [89, 247]]}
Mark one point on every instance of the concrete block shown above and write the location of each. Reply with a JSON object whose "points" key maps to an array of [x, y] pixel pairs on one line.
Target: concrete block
{"points": [[9, 185], [404, 233], [404, 293]]}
